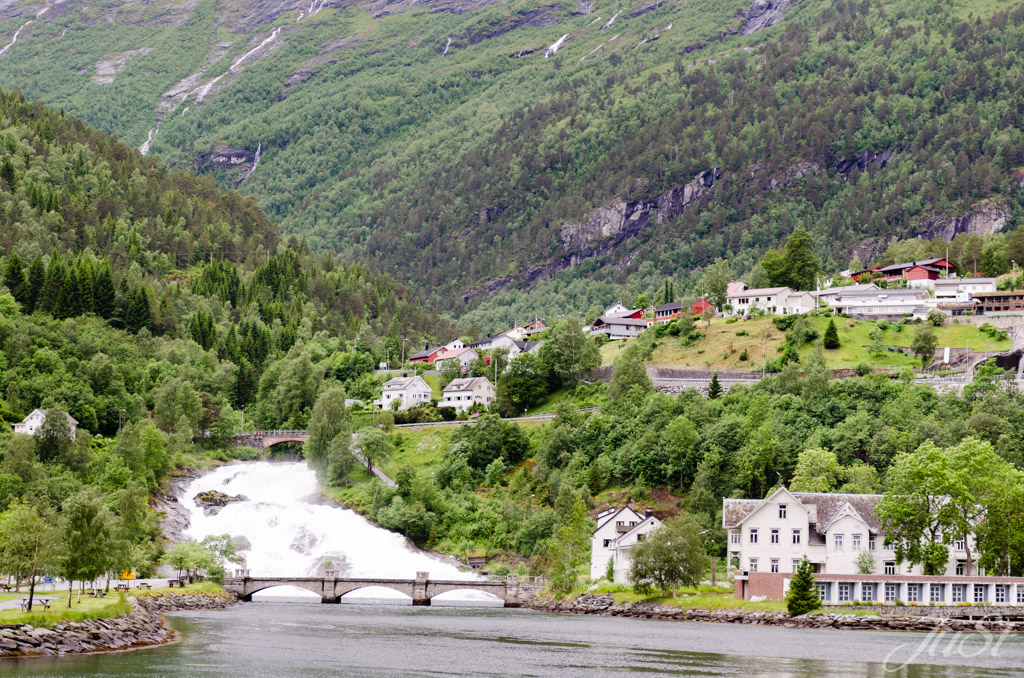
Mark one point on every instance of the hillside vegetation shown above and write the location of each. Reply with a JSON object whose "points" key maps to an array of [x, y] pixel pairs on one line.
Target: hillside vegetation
{"points": [[426, 138]]}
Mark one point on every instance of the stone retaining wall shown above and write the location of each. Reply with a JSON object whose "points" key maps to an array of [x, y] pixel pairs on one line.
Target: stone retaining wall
{"points": [[604, 605], [139, 628]]}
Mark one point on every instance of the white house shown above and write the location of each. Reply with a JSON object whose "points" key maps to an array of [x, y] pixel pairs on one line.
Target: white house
{"points": [[833, 530], [464, 393], [954, 288], [832, 292], [463, 356], [770, 300], [896, 302], [490, 343], [410, 391], [618, 530], [618, 328], [34, 420]]}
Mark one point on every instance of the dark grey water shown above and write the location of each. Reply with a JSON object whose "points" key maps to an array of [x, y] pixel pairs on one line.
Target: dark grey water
{"points": [[282, 640]]}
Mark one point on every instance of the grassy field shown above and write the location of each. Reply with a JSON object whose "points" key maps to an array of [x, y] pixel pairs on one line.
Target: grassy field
{"points": [[197, 587], [421, 448], [90, 608], [701, 597], [723, 345]]}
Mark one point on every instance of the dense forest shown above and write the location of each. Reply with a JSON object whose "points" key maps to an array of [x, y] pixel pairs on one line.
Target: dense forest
{"points": [[856, 120]]}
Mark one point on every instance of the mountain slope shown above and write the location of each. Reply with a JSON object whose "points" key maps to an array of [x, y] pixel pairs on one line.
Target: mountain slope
{"points": [[472, 148]]}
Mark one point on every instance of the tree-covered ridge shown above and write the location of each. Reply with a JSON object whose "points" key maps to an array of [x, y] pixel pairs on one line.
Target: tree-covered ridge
{"points": [[426, 142]]}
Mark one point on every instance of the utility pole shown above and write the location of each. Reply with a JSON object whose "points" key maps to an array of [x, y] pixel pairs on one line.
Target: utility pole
{"points": [[120, 414], [404, 339], [763, 361], [388, 359]]}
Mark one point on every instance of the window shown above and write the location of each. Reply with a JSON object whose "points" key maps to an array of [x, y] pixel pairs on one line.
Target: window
{"points": [[775, 564], [796, 536], [1020, 594], [979, 593], [775, 536], [936, 593], [890, 567], [871, 542], [856, 542], [867, 593], [753, 535], [640, 537], [782, 511], [1000, 593], [753, 564], [822, 591], [958, 593], [890, 593], [796, 564], [959, 545], [844, 592], [837, 542], [606, 542], [960, 568], [734, 537], [913, 593]]}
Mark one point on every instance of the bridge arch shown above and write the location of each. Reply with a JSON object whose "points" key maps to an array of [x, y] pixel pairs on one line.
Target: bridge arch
{"points": [[442, 597], [257, 586], [344, 593]]}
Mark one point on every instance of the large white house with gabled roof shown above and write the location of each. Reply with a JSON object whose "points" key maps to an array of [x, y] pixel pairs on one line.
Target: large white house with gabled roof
{"points": [[833, 530], [30, 424], [408, 391]]}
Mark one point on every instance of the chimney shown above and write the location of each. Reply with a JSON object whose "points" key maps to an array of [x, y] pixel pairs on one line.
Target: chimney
{"points": [[648, 513], [426, 344]]}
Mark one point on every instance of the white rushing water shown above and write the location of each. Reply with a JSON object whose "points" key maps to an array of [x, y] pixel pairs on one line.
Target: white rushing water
{"points": [[291, 531], [555, 46]]}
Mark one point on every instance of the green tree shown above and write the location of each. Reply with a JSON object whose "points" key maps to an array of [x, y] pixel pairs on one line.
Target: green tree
{"points": [[375, 446], [569, 549], [671, 556], [817, 470], [53, 437], [802, 266], [521, 385], [449, 373], [629, 373], [30, 544], [803, 594], [85, 524], [715, 283], [877, 337], [831, 339], [36, 283], [924, 344], [714, 388], [568, 352], [14, 279], [328, 421]]}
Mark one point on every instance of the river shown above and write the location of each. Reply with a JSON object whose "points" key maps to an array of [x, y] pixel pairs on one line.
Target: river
{"points": [[287, 528]]}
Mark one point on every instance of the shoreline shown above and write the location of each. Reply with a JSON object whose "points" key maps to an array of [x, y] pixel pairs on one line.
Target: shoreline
{"points": [[143, 627], [604, 605]]}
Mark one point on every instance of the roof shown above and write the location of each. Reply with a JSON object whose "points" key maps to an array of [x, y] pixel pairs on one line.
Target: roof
{"points": [[424, 353], [71, 420], [642, 523], [735, 287], [527, 346], [465, 384], [607, 320], [402, 383], [456, 353], [966, 281], [911, 264], [898, 292], [615, 514], [761, 291], [846, 289], [672, 306], [827, 505]]}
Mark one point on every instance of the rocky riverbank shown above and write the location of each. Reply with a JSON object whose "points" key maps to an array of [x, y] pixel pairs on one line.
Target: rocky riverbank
{"points": [[141, 627], [605, 605]]}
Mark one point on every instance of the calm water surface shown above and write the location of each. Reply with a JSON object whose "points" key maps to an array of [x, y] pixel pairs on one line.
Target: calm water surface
{"points": [[280, 640]]}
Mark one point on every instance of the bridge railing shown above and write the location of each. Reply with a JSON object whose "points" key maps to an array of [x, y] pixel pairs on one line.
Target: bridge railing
{"points": [[522, 579], [266, 433]]}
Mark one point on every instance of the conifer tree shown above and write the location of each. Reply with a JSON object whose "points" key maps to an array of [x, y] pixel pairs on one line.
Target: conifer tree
{"points": [[14, 279], [69, 302], [831, 339], [137, 314], [36, 282], [714, 388], [50, 295], [103, 293], [803, 594]]}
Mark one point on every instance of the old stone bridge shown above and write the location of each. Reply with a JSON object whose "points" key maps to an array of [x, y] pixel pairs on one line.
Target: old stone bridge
{"points": [[513, 590], [262, 439]]}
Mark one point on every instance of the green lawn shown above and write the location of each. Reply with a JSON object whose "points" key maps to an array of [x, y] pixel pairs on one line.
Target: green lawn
{"points": [[724, 344], [702, 597], [197, 587], [112, 605], [421, 448]]}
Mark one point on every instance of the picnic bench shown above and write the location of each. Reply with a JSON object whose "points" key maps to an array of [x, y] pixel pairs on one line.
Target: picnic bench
{"points": [[121, 587], [6, 587], [144, 585], [45, 602], [180, 583], [97, 593]]}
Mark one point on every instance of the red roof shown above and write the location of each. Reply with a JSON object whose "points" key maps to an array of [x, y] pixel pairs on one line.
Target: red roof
{"points": [[700, 306]]}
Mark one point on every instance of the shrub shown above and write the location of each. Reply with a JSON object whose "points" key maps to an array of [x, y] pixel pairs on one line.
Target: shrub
{"points": [[831, 340], [803, 594], [742, 333], [743, 355], [863, 369], [784, 322], [936, 317]]}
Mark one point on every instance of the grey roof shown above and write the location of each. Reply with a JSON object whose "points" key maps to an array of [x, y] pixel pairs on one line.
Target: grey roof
{"points": [[734, 511], [758, 292], [846, 289], [967, 281], [401, 383], [465, 384], [910, 264], [527, 346], [673, 306], [898, 292], [611, 320], [71, 420], [424, 353]]}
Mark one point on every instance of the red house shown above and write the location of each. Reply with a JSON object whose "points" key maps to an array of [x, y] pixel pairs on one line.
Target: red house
{"points": [[428, 355], [700, 306]]}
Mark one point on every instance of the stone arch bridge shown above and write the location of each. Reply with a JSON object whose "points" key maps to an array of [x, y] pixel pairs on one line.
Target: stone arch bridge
{"points": [[262, 439], [513, 590]]}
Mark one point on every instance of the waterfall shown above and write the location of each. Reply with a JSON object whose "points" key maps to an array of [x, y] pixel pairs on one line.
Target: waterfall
{"points": [[201, 92], [235, 67], [284, 527], [446, 46], [144, 148], [611, 21], [255, 161], [9, 45], [555, 46]]}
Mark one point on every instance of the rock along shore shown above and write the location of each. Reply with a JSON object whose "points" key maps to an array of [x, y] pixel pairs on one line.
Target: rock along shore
{"points": [[605, 605], [141, 627]]}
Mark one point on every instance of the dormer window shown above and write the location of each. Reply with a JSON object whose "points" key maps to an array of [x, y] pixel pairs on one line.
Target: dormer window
{"points": [[782, 511]]}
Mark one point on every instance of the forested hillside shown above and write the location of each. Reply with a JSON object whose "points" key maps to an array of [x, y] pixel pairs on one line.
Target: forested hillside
{"points": [[550, 152]]}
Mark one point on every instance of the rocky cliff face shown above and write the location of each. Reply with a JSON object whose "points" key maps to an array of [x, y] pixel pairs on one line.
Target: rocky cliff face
{"points": [[987, 218], [762, 14]]}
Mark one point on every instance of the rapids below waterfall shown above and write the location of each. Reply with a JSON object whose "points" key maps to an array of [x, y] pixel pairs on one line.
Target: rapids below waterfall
{"points": [[285, 527]]}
